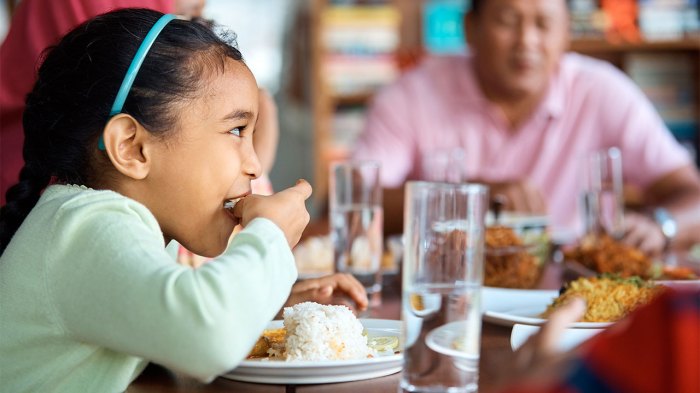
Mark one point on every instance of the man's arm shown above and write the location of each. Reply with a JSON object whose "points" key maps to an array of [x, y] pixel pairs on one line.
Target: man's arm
{"points": [[679, 193]]}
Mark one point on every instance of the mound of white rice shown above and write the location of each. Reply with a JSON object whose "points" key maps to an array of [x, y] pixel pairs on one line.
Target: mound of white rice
{"points": [[318, 332]]}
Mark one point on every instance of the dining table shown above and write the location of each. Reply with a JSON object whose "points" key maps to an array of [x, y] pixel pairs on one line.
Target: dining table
{"points": [[496, 355], [496, 352]]}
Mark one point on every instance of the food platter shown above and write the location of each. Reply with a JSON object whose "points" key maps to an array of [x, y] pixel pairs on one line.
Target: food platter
{"points": [[507, 307], [313, 372]]}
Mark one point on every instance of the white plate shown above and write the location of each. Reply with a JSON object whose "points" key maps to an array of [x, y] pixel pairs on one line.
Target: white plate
{"points": [[444, 339], [680, 284], [569, 339], [311, 372], [507, 307], [529, 316], [505, 299]]}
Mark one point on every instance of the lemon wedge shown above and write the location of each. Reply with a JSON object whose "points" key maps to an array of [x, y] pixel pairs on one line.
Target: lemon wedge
{"points": [[383, 343]]}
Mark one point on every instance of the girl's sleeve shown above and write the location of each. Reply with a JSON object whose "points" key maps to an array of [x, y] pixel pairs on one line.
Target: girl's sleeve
{"points": [[114, 286]]}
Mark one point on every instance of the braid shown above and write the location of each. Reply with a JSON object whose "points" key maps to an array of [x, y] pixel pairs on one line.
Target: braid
{"points": [[21, 198]]}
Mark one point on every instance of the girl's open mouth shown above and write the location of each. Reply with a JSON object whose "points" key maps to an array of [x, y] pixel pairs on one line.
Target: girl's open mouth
{"points": [[229, 205]]}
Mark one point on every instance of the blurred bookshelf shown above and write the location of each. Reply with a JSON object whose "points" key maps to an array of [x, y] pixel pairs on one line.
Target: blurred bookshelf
{"points": [[361, 46], [354, 54]]}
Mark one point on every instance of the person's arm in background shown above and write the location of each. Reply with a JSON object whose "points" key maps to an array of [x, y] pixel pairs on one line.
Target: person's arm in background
{"points": [[654, 161], [267, 131], [265, 141], [679, 193]]}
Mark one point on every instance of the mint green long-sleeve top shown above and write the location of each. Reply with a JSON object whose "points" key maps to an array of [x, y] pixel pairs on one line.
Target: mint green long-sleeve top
{"points": [[88, 296]]}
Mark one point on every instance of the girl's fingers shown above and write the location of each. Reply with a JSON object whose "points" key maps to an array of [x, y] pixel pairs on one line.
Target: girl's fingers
{"points": [[304, 188], [338, 282], [354, 289], [238, 207], [305, 285]]}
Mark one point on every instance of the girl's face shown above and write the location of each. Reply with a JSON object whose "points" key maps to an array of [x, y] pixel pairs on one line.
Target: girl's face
{"points": [[207, 161]]}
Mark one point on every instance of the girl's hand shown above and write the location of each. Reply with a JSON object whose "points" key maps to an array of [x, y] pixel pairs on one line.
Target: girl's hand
{"points": [[285, 208], [338, 288]]}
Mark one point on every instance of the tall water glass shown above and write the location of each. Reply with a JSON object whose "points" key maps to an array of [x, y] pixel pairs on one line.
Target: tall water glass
{"points": [[356, 220], [442, 278], [603, 197]]}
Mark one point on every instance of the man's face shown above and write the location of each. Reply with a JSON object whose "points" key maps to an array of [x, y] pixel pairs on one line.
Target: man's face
{"points": [[518, 44]]}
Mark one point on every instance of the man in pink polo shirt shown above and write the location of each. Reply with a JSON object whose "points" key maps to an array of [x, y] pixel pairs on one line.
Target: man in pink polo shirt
{"points": [[525, 113]]}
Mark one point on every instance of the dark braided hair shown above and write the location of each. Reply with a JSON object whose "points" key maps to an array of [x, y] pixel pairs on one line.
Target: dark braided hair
{"points": [[77, 83]]}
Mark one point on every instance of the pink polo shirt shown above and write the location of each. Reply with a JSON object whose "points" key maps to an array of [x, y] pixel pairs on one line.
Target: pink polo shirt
{"points": [[590, 105]]}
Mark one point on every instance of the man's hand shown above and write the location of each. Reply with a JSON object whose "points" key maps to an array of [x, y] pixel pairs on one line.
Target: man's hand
{"points": [[519, 195], [644, 234]]}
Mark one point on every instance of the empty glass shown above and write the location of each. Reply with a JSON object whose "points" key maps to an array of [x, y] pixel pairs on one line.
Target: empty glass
{"points": [[602, 195]]}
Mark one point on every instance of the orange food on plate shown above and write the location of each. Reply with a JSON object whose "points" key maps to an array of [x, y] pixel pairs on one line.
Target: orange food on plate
{"points": [[608, 298], [678, 273], [603, 254], [508, 262], [271, 340]]}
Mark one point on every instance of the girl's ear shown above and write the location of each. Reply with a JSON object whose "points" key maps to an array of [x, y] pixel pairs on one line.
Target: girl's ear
{"points": [[126, 143]]}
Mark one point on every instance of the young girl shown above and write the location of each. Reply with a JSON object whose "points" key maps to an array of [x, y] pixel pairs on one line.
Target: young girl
{"points": [[138, 131]]}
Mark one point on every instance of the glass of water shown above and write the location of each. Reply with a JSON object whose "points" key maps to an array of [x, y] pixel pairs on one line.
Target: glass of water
{"points": [[356, 221], [442, 278], [602, 195]]}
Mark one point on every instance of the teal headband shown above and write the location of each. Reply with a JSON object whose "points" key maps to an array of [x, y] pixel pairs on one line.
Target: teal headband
{"points": [[134, 68]]}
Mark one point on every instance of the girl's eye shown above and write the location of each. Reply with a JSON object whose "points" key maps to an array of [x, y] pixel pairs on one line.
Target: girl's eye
{"points": [[236, 131]]}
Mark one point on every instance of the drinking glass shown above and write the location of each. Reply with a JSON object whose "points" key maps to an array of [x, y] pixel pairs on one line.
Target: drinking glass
{"points": [[442, 278], [356, 220], [603, 199]]}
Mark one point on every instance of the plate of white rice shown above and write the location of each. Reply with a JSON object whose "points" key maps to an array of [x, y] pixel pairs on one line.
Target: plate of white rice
{"points": [[324, 344]]}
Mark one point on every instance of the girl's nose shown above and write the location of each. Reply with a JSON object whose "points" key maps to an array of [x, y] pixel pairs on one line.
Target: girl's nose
{"points": [[250, 162]]}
